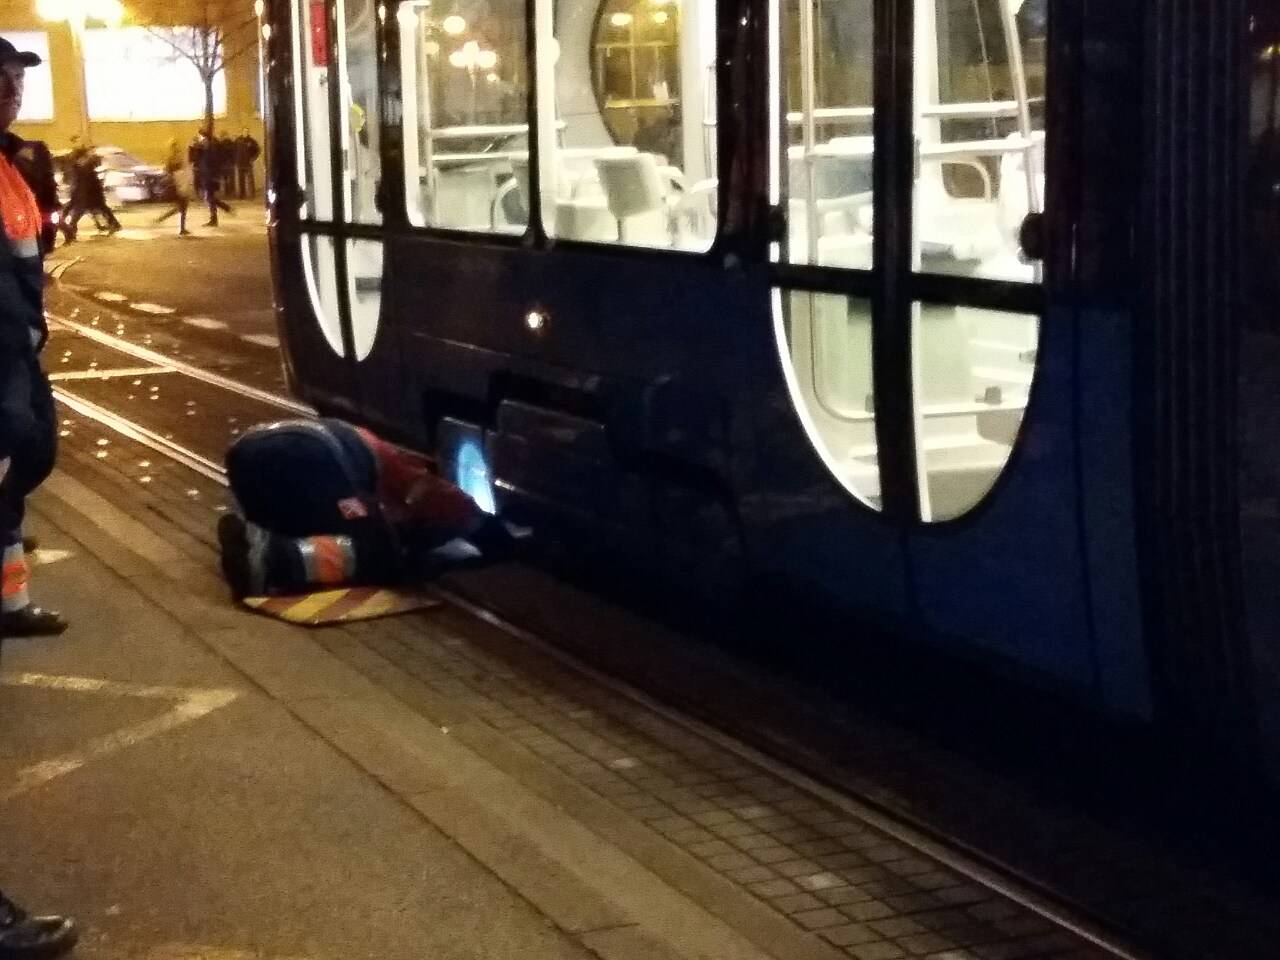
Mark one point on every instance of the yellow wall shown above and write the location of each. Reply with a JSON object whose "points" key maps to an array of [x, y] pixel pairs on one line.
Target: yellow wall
{"points": [[147, 139]]}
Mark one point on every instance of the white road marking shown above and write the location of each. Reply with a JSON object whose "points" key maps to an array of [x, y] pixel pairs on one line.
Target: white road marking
{"points": [[262, 339], [205, 323], [42, 557], [57, 268], [192, 703], [152, 308], [108, 374], [110, 297]]}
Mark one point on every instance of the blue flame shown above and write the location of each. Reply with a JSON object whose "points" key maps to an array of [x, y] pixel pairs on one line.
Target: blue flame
{"points": [[473, 476]]}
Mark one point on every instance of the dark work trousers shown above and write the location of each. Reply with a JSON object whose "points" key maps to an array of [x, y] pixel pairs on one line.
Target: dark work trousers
{"points": [[30, 425], [247, 187]]}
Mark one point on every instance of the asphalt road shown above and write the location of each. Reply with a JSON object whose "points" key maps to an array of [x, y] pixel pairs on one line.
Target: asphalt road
{"points": [[208, 294]]}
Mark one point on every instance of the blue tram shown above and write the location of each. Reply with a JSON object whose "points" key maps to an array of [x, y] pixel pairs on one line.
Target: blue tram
{"points": [[952, 318]]}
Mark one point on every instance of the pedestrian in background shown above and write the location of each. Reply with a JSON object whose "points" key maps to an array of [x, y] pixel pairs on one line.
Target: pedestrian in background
{"points": [[247, 152], [226, 151], [182, 181], [203, 157], [87, 193], [28, 425]]}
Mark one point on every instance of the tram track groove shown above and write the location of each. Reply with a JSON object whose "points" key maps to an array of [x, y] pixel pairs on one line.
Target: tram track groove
{"points": [[949, 851]]}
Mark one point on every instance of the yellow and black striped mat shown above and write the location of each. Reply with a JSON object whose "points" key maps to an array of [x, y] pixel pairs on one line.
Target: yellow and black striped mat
{"points": [[340, 606]]}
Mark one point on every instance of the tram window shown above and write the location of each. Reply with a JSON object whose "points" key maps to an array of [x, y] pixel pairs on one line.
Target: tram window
{"points": [[466, 119], [311, 108], [973, 372], [633, 160], [825, 341], [980, 132], [358, 59], [826, 188]]}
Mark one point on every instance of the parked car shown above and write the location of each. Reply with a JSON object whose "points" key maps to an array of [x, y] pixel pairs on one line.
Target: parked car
{"points": [[125, 178]]}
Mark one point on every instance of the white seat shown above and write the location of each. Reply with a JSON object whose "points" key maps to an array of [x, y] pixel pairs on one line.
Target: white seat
{"points": [[637, 191]]}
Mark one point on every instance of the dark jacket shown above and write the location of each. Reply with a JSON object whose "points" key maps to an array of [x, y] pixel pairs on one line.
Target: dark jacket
{"points": [[21, 279], [35, 163]]}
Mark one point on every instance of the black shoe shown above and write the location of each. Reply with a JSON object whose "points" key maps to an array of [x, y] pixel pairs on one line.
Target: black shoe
{"points": [[31, 621], [24, 937], [233, 538]]}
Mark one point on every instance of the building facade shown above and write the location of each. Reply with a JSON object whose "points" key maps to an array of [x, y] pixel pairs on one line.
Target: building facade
{"points": [[126, 86]]}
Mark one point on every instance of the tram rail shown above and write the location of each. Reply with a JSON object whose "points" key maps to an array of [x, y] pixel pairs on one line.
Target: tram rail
{"points": [[948, 851]]}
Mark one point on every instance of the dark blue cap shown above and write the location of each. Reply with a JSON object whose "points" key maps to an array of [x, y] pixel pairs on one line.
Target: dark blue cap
{"points": [[10, 53]]}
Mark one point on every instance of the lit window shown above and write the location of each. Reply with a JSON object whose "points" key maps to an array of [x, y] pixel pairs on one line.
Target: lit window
{"points": [[134, 73], [37, 98]]}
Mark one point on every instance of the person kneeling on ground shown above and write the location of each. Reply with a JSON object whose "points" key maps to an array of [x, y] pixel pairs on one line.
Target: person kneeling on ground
{"points": [[327, 504]]}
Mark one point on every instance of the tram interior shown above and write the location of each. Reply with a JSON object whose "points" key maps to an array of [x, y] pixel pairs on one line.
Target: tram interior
{"points": [[629, 156], [979, 68]]}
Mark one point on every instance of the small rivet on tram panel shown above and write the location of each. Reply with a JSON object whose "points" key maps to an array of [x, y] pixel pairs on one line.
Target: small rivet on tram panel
{"points": [[535, 320]]}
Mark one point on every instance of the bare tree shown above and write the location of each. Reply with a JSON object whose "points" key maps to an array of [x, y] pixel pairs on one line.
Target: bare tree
{"points": [[208, 34]]}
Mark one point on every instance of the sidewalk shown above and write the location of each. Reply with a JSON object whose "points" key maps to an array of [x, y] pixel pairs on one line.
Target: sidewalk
{"points": [[176, 799]]}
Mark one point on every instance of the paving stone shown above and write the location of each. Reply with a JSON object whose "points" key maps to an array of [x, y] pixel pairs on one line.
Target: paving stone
{"points": [[841, 895], [822, 917], [772, 855], [773, 888], [850, 934], [881, 950], [896, 927], [869, 910], [751, 874]]}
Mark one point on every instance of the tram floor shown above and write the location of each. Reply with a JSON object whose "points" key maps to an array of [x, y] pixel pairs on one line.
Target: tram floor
{"points": [[432, 785]]}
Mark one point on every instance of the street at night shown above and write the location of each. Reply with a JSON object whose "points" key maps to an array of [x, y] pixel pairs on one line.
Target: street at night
{"points": [[639, 480]]}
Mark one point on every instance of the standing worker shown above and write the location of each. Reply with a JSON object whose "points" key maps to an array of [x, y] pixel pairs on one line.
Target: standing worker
{"points": [[28, 426], [27, 438], [35, 163]]}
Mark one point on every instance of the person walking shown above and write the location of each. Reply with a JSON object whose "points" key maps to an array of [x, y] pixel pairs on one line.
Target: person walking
{"points": [[28, 425], [183, 182], [87, 194], [205, 159], [247, 152]]}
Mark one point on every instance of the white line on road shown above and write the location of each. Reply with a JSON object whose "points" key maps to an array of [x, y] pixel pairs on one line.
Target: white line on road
{"points": [[110, 297], [152, 308], [108, 374], [205, 323], [262, 339], [192, 703]]}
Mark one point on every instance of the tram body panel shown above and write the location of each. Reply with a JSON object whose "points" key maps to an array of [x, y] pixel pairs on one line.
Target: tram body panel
{"points": [[1008, 577], [698, 443], [653, 403]]}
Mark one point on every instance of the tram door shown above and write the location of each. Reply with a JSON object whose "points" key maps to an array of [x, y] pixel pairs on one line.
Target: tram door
{"points": [[335, 64], [932, 378]]}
